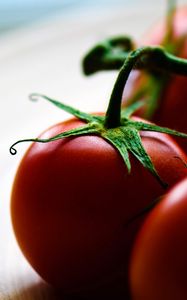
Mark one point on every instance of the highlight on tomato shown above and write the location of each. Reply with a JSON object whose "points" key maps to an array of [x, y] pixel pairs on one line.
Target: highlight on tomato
{"points": [[158, 268], [80, 185]]}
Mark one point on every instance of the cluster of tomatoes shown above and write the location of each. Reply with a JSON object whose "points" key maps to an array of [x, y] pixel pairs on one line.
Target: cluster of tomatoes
{"points": [[89, 227]]}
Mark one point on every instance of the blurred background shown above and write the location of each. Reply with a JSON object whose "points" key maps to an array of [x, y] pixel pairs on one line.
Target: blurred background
{"points": [[16, 13]]}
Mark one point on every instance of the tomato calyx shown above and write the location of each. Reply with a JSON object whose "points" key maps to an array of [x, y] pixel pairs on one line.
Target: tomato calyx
{"points": [[117, 127]]}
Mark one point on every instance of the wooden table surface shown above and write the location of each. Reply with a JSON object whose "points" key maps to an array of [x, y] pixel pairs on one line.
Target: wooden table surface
{"points": [[45, 57]]}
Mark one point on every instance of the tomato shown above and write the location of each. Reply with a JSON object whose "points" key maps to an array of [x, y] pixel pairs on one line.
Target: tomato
{"points": [[171, 103], [72, 200], [159, 266]]}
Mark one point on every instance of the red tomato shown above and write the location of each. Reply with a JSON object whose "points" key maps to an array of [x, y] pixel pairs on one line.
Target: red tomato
{"points": [[159, 261], [71, 202], [172, 102]]}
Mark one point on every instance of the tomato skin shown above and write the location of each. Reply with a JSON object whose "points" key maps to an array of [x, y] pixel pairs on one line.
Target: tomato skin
{"points": [[172, 104], [158, 267], [72, 198]]}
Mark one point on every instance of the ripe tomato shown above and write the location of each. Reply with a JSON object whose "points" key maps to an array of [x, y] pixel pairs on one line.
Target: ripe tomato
{"points": [[172, 105], [72, 199], [159, 265]]}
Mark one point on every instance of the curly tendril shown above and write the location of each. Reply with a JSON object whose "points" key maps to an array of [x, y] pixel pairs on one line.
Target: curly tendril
{"points": [[13, 150]]}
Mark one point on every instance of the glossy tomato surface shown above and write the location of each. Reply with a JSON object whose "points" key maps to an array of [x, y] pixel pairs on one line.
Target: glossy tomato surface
{"points": [[159, 261], [72, 199], [171, 108]]}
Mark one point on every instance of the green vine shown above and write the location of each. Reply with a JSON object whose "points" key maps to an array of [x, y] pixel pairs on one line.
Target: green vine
{"points": [[107, 55], [112, 57]]}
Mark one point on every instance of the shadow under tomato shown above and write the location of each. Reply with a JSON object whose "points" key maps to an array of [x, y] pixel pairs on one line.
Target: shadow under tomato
{"points": [[116, 292], [38, 291], [42, 291]]}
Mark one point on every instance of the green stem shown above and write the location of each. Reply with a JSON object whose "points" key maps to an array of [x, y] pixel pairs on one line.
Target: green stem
{"points": [[107, 55], [143, 57], [171, 7], [113, 114]]}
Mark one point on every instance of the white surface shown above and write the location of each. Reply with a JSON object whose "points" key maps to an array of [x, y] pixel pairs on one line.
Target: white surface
{"points": [[46, 58]]}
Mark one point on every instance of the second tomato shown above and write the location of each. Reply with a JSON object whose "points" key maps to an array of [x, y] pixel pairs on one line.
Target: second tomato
{"points": [[159, 261]]}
